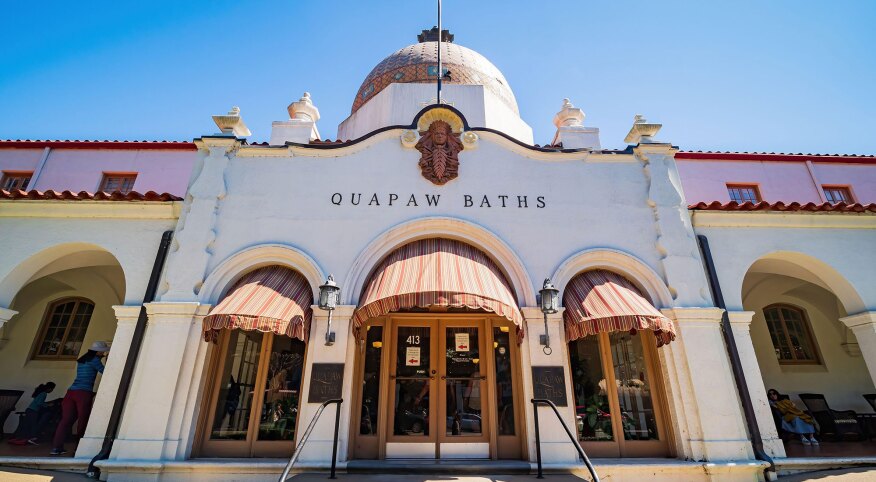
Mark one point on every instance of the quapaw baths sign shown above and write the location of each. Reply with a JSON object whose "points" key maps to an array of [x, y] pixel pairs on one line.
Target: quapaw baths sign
{"points": [[434, 200]]}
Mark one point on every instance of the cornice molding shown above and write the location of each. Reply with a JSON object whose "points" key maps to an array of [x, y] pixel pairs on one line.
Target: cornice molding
{"points": [[90, 209], [772, 219]]}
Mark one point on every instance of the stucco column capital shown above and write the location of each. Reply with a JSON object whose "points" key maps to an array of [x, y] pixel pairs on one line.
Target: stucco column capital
{"points": [[690, 316], [127, 314], [860, 320], [740, 320], [175, 312], [6, 314], [341, 312]]}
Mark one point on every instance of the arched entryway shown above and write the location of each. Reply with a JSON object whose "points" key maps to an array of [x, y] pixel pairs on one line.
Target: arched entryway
{"points": [[438, 361], [613, 333], [796, 304], [64, 298], [253, 398]]}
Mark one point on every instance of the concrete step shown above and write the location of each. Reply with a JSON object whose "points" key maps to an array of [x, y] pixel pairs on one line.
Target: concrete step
{"points": [[438, 467]]}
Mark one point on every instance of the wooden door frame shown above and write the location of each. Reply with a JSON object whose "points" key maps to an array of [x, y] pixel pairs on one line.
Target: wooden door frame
{"points": [[619, 446], [384, 427], [279, 448]]}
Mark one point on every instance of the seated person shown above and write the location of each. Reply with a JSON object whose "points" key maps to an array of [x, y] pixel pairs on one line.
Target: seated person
{"points": [[794, 420], [36, 415]]}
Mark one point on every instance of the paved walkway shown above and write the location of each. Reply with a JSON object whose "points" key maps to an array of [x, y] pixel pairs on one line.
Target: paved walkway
{"points": [[9, 474]]}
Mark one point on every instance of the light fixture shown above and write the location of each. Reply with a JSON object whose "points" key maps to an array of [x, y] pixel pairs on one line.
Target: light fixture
{"points": [[550, 302], [329, 293]]}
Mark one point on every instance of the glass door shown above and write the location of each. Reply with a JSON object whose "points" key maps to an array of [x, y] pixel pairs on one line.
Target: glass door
{"points": [[255, 398], [463, 375], [412, 427]]}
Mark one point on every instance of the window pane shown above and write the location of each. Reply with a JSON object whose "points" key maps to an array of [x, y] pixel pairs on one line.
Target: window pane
{"points": [[282, 389], [123, 184], [464, 384], [837, 195], [371, 380], [57, 325], [16, 182], [238, 378], [78, 327], [504, 380], [592, 412], [742, 194], [412, 381], [777, 334], [633, 387], [801, 345]]}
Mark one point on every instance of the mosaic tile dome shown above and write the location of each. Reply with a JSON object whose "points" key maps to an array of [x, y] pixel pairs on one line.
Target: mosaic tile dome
{"points": [[418, 63]]}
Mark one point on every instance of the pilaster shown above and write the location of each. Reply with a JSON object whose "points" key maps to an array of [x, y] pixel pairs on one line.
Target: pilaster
{"points": [[740, 323], [555, 446], [319, 445], [153, 429], [863, 325], [675, 243], [92, 441], [710, 424], [195, 233]]}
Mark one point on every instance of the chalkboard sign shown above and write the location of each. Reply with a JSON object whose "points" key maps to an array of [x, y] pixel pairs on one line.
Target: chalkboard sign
{"points": [[326, 382], [549, 383]]}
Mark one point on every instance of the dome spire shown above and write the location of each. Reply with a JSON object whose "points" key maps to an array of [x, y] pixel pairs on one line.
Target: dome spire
{"points": [[431, 35]]}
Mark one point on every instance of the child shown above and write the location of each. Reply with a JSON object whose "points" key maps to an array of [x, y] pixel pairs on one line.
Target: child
{"points": [[33, 416]]}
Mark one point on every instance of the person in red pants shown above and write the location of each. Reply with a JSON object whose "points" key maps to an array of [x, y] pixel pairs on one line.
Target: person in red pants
{"points": [[76, 405]]}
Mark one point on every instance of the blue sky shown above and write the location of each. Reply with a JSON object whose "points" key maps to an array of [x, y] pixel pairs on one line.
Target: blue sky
{"points": [[784, 76]]}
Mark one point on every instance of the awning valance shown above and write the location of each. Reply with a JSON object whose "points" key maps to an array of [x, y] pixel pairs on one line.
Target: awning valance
{"points": [[602, 301], [271, 299], [437, 272]]}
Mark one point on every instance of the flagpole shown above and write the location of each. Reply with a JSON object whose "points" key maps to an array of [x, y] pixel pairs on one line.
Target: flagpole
{"points": [[440, 72]]}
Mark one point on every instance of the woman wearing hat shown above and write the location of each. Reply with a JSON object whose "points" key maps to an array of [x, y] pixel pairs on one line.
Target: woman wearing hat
{"points": [[77, 401]]}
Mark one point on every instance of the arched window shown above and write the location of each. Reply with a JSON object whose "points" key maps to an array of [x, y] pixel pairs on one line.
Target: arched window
{"points": [[63, 329], [791, 335]]}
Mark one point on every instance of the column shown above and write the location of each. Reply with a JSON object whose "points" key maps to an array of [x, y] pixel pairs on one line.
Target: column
{"points": [[703, 394], [92, 441], [318, 449], [740, 323], [556, 448], [161, 384], [863, 325], [5, 315]]}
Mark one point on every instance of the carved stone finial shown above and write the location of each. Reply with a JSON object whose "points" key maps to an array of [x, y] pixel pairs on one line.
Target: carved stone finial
{"points": [[304, 109], [642, 131], [439, 150], [232, 123], [569, 115]]}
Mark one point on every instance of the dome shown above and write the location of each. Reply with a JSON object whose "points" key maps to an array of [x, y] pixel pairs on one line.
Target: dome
{"points": [[418, 63]]}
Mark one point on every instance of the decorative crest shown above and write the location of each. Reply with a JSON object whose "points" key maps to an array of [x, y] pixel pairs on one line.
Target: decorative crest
{"points": [[439, 150]]}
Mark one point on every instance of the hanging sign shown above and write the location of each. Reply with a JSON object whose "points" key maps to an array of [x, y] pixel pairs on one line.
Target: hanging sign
{"points": [[326, 381], [412, 356], [462, 342]]}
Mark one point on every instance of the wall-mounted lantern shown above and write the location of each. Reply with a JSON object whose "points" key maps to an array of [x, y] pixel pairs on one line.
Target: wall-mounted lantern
{"points": [[550, 304], [329, 294]]}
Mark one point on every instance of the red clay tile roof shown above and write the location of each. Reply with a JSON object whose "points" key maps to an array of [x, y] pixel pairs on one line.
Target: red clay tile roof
{"points": [[776, 157], [780, 206], [18, 194], [97, 144]]}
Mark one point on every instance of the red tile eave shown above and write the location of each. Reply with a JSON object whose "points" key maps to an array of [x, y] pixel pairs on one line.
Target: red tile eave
{"points": [[841, 208], [76, 144], [34, 195], [765, 157]]}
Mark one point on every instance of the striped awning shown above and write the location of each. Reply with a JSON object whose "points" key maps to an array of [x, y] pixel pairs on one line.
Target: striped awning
{"points": [[437, 272], [271, 299], [602, 301]]}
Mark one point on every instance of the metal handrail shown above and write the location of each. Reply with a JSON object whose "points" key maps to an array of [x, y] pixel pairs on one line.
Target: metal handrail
{"points": [[306, 435], [535, 402]]}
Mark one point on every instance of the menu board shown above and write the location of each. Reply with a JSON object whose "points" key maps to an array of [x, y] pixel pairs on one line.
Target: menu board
{"points": [[326, 382], [549, 383]]}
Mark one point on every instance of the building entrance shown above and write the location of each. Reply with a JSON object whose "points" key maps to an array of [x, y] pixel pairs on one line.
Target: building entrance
{"points": [[450, 388]]}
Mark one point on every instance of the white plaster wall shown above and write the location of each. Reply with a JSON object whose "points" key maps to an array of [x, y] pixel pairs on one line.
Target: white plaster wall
{"points": [[846, 254], [20, 372], [842, 378], [397, 104]]}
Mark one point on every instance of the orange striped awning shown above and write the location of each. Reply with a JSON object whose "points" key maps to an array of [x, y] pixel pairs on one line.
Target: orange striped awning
{"points": [[271, 299], [602, 301], [437, 272]]}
